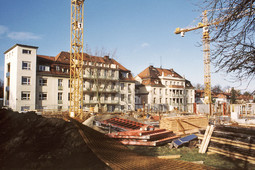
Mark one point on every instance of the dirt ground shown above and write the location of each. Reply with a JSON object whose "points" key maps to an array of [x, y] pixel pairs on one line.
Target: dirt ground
{"points": [[29, 141]]}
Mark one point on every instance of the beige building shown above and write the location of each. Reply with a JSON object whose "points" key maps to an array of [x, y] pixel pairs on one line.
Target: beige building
{"points": [[160, 89], [42, 82]]}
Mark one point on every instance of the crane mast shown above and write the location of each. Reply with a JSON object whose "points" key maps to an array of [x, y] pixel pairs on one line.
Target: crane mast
{"points": [[206, 53], [76, 59]]}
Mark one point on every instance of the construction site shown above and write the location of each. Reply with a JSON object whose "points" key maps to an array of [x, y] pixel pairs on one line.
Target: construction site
{"points": [[78, 111]]}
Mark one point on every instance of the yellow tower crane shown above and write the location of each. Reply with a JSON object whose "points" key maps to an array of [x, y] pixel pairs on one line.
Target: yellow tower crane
{"points": [[206, 50], [76, 59]]}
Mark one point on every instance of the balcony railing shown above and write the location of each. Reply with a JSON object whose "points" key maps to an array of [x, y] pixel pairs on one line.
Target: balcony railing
{"points": [[60, 101], [60, 87]]}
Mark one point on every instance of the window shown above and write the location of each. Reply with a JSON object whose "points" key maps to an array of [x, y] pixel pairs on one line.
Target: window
{"points": [[122, 97], [181, 92], [26, 65], [60, 96], [91, 97], [26, 51], [113, 72], [25, 95], [112, 97], [69, 83], [160, 91], [60, 82], [43, 82], [154, 100], [165, 91], [106, 97], [113, 84], [25, 80], [166, 101], [129, 88], [122, 86], [57, 68], [42, 96], [44, 68], [122, 107], [160, 100], [129, 107], [69, 97], [129, 98], [154, 90]]}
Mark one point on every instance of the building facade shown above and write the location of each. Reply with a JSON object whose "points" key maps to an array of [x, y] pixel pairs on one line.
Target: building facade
{"points": [[42, 82], [160, 89]]}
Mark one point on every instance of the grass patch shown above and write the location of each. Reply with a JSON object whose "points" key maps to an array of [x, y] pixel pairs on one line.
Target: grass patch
{"points": [[191, 154]]}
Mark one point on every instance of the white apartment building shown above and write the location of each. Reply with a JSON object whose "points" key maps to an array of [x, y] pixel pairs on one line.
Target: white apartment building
{"points": [[160, 89], [42, 82]]}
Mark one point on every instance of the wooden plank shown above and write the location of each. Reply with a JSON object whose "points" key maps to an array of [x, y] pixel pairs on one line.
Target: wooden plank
{"points": [[233, 154], [205, 136], [230, 142], [169, 157], [207, 140]]}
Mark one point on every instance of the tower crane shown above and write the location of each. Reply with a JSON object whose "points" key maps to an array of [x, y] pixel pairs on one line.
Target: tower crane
{"points": [[206, 44], [76, 59], [206, 52]]}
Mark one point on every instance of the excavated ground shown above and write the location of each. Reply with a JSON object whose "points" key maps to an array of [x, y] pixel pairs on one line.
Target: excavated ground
{"points": [[29, 141]]}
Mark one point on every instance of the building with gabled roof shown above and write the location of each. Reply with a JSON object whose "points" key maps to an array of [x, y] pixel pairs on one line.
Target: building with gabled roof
{"points": [[159, 89], [35, 81]]}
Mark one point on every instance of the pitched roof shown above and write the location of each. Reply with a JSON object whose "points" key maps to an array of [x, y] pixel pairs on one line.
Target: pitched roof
{"points": [[153, 72], [150, 75], [63, 59]]}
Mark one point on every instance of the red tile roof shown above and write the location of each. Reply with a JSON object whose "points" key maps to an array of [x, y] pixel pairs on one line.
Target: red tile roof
{"points": [[150, 76], [63, 60]]}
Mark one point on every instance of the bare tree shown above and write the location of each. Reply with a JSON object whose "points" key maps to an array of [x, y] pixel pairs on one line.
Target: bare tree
{"points": [[233, 37], [217, 89], [99, 82]]}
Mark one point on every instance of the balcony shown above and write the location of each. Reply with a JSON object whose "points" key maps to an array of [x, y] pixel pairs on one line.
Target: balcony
{"points": [[8, 74]]}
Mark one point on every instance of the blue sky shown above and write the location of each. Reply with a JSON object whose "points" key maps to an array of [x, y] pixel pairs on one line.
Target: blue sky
{"points": [[139, 32]]}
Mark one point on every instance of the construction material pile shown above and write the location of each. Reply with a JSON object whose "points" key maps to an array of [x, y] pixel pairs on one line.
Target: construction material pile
{"points": [[29, 141], [184, 124], [233, 141], [130, 132]]}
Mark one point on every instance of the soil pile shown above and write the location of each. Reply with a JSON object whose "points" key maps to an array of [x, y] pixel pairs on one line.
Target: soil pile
{"points": [[29, 141]]}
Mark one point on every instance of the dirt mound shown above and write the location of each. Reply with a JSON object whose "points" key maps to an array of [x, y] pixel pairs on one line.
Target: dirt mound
{"points": [[29, 141]]}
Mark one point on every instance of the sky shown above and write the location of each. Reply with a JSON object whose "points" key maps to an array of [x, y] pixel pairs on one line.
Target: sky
{"points": [[137, 33]]}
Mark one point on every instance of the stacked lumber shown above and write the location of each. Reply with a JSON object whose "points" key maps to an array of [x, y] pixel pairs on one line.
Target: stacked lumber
{"points": [[144, 138], [184, 124], [233, 141], [119, 124]]}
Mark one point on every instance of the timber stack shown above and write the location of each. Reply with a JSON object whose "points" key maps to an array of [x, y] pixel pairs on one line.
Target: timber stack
{"points": [[233, 141]]}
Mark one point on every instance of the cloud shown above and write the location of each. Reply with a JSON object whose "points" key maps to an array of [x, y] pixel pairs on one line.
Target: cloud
{"points": [[23, 36], [3, 29], [143, 45], [17, 35]]}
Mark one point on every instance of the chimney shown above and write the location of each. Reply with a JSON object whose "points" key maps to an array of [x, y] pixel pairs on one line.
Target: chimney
{"points": [[106, 57]]}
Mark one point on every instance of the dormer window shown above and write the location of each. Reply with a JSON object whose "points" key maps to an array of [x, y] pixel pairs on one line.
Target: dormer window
{"points": [[44, 68]]}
